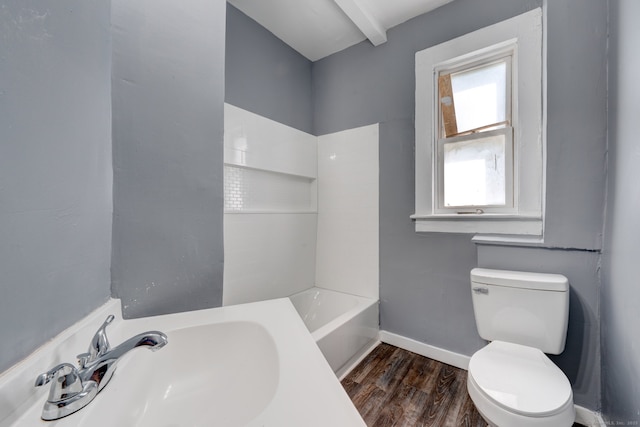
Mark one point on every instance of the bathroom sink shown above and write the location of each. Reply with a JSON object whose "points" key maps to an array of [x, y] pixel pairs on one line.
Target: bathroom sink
{"points": [[248, 365], [219, 374]]}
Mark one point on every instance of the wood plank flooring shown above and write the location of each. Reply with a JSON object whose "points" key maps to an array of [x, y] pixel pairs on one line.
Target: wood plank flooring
{"points": [[394, 387]]}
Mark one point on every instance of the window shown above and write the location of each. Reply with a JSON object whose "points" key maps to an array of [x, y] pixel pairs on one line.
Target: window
{"points": [[479, 139], [474, 142]]}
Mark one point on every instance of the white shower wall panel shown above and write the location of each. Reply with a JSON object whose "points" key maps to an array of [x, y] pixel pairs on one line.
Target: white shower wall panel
{"points": [[270, 208], [300, 210], [268, 256], [348, 197], [257, 142]]}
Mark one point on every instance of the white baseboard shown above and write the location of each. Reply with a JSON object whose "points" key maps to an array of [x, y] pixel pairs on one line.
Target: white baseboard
{"points": [[445, 356], [588, 418]]}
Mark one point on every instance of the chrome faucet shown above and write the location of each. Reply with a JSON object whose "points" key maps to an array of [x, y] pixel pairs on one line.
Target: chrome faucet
{"points": [[74, 388]]}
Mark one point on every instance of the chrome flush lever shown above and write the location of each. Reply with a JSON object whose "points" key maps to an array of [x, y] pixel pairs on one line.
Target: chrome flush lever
{"points": [[481, 290]]}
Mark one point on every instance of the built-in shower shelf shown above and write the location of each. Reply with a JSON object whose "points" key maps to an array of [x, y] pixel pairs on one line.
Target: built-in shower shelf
{"points": [[273, 171], [269, 168], [253, 190]]}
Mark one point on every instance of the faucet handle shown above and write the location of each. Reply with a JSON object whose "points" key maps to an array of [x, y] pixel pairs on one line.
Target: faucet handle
{"points": [[66, 381], [68, 392], [99, 343], [43, 379]]}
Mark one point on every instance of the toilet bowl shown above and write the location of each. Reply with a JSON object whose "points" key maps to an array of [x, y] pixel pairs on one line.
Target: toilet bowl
{"points": [[519, 386], [511, 380]]}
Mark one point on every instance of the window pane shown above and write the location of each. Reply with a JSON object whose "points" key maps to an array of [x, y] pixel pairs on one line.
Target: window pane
{"points": [[479, 96], [474, 172]]}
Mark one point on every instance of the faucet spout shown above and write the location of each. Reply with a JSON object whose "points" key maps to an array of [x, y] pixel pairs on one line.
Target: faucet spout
{"points": [[101, 369], [154, 340]]}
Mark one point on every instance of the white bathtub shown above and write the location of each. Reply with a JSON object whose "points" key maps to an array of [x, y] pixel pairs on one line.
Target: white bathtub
{"points": [[344, 326]]}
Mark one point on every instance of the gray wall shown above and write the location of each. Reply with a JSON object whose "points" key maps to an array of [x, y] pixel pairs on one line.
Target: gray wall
{"points": [[425, 277], [264, 75], [576, 181], [55, 168], [620, 289], [168, 94], [581, 358]]}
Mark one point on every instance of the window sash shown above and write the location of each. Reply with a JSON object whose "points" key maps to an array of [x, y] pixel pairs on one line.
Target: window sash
{"points": [[510, 200], [447, 123]]}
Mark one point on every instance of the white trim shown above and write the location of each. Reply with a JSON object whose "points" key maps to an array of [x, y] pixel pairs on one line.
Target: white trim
{"points": [[356, 359], [544, 114], [506, 240], [588, 418], [484, 223], [16, 384], [527, 118], [441, 355]]}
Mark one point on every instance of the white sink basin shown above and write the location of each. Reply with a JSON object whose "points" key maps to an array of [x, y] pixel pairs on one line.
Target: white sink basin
{"points": [[229, 369], [247, 365]]}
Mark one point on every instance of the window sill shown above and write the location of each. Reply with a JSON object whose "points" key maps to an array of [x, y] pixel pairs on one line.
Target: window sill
{"points": [[514, 225], [508, 240], [270, 211]]}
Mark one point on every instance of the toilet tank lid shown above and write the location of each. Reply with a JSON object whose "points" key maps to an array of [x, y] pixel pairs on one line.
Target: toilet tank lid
{"points": [[520, 279]]}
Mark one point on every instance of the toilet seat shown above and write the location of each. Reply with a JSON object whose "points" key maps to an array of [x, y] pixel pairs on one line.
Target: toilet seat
{"points": [[520, 379]]}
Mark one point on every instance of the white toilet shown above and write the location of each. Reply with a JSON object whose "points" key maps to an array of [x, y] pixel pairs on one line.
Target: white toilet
{"points": [[511, 380]]}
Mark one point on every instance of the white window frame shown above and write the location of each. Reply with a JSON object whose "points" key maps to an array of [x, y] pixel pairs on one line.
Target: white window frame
{"points": [[521, 38], [507, 53]]}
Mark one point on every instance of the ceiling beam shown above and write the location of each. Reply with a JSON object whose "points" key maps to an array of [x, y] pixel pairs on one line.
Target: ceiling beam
{"points": [[370, 27]]}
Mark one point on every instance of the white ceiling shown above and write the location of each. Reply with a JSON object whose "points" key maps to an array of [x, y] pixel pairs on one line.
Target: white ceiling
{"points": [[318, 28]]}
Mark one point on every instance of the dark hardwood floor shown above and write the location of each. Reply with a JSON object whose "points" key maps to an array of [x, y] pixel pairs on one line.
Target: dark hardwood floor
{"points": [[394, 387]]}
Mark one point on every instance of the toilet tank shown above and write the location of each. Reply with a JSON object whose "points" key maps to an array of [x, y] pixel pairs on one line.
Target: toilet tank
{"points": [[531, 309]]}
